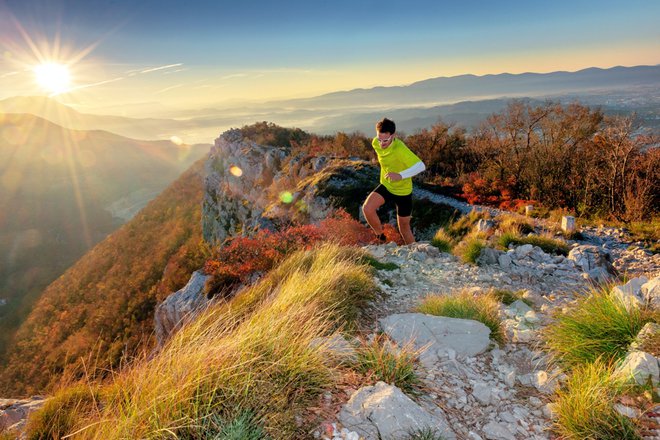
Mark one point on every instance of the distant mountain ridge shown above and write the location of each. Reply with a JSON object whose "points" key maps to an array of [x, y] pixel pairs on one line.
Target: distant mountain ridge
{"points": [[446, 90]]}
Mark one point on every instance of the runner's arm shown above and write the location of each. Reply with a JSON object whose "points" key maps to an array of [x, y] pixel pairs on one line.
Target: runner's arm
{"points": [[413, 170]]}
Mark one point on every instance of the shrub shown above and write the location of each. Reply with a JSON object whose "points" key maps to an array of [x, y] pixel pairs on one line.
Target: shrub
{"points": [[381, 360], [61, 414], [585, 408], [464, 305], [442, 241], [598, 326], [243, 257]]}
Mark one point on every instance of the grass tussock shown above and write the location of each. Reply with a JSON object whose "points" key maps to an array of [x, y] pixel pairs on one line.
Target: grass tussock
{"points": [[458, 229], [514, 224], [548, 244], [443, 241], [470, 248], [599, 326], [483, 308], [425, 434], [508, 297], [256, 354], [63, 413], [585, 407], [381, 360]]}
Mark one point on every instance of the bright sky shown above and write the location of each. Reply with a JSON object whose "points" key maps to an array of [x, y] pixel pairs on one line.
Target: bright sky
{"points": [[174, 53]]}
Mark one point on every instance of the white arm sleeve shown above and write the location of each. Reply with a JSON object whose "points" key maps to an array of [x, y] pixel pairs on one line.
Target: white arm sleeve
{"points": [[413, 170]]}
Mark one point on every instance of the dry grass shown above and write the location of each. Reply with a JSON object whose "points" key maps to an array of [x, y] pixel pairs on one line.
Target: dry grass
{"points": [[258, 354]]}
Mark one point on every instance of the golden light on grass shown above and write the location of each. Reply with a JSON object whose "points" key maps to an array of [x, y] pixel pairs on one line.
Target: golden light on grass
{"points": [[235, 171], [53, 77]]}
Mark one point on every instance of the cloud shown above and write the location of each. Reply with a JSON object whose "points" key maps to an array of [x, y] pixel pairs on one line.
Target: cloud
{"points": [[169, 88], [84, 86], [161, 68]]}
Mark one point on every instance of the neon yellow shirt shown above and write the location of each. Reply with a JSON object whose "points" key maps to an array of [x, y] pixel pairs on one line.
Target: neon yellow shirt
{"points": [[395, 158]]}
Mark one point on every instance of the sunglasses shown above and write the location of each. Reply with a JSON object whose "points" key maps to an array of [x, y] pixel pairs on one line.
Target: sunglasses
{"points": [[384, 141]]}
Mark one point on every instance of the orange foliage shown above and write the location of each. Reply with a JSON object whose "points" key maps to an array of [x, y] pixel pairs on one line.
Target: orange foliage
{"points": [[245, 257]]}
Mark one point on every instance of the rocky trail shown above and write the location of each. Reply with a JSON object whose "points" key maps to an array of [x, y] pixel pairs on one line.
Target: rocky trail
{"points": [[474, 388]]}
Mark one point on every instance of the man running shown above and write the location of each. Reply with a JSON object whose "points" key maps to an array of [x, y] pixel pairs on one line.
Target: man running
{"points": [[397, 167]]}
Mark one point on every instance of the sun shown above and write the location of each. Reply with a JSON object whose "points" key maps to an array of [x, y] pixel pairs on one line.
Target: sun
{"points": [[53, 77]]}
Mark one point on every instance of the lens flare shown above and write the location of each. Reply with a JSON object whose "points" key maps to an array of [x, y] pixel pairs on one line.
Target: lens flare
{"points": [[286, 197], [236, 171]]}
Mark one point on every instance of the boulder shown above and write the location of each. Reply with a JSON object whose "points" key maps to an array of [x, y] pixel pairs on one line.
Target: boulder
{"points": [[651, 292], [180, 307], [384, 412], [593, 260], [14, 413], [639, 367], [489, 256], [437, 333]]}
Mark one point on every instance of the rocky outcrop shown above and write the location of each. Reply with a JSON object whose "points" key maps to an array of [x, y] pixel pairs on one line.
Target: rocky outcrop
{"points": [[14, 413], [180, 307], [239, 173], [593, 260], [383, 411]]}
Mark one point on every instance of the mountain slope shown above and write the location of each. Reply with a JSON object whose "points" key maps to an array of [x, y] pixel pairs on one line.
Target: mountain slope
{"points": [[104, 303], [59, 189]]}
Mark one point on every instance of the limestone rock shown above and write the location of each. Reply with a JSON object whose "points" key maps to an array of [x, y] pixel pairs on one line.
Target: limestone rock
{"points": [[489, 256], [180, 307], [651, 292], [639, 366], [595, 261], [14, 413], [383, 411], [466, 337]]}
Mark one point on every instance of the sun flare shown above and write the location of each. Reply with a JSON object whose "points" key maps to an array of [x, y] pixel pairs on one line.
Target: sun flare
{"points": [[53, 77]]}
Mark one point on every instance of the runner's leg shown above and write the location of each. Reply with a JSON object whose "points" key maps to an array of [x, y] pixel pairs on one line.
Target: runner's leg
{"points": [[404, 229], [370, 208]]}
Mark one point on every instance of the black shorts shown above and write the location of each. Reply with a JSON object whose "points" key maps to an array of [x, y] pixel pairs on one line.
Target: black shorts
{"points": [[403, 203]]}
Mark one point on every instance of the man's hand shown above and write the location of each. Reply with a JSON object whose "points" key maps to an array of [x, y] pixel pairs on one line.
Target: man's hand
{"points": [[393, 177]]}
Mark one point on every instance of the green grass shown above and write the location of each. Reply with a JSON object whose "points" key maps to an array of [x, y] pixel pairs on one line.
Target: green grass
{"points": [[245, 426], [464, 225], [378, 265], [508, 297], [647, 232], [425, 434], [258, 352], [598, 327], [380, 360], [548, 244], [585, 407], [464, 305], [442, 241], [469, 249]]}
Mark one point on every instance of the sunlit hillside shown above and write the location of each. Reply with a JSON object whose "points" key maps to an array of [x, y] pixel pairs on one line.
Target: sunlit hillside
{"points": [[62, 191], [106, 299]]}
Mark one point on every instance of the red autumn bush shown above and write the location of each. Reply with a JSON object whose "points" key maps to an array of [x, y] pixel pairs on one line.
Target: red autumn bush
{"points": [[246, 257]]}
